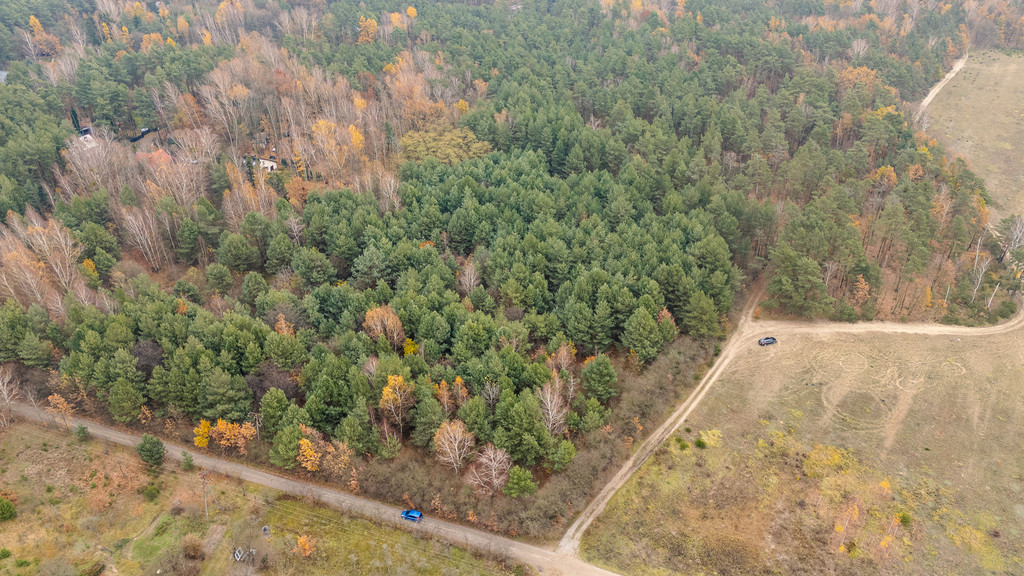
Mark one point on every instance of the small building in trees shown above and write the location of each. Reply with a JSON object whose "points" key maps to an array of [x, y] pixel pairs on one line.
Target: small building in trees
{"points": [[268, 165], [87, 141]]}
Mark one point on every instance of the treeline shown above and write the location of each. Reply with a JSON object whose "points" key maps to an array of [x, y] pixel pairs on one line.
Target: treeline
{"points": [[479, 215]]}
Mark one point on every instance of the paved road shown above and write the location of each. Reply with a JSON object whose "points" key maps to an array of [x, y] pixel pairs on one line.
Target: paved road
{"points": [[547, 561]]}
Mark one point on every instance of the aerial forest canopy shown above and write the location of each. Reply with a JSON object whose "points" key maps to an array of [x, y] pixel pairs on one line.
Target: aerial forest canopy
{"points": [[446, 225]]}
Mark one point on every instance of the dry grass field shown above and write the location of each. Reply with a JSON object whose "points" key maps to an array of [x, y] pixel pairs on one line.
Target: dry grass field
{"points": [[80, 505], [980, 114], [852, 454]]}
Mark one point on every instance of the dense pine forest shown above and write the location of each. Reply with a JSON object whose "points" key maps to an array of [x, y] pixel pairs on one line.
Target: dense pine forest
{"points": [[390, 246]]}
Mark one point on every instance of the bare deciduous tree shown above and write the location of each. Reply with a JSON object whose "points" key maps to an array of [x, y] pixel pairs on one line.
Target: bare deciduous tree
{"points": [[453, 443], [858, 48], [52, 243], [387, 184], [564, 358], [1012, 236], [980, 270], [489, 471], [9, 394], [491, 393], [469, 278], [553, 406], [143, 232]]}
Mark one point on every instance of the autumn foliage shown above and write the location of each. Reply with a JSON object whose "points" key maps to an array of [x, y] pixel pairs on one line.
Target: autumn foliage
{"points": [[305, 546], [382, 321], [319, 454], [202, 434], [396, 400], [229, 435]]}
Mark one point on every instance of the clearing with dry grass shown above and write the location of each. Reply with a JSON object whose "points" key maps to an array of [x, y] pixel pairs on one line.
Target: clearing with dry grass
{"points": [[83, 506], [980, 115], [842, 454]]}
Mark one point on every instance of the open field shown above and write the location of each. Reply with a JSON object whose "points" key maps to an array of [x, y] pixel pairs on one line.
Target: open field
{"points": [[980, 115], [843, 454], [80, 504]]}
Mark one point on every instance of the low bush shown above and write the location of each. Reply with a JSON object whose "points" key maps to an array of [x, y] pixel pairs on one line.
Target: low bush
{"points": [[7, 510], [192, 547]]}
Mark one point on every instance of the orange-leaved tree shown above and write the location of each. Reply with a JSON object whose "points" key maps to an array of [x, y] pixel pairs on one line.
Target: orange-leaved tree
{"points": [[61, 407], [305, 546], [317, 454], [232, 435]]}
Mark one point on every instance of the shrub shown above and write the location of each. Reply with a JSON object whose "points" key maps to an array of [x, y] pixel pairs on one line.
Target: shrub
{"points": [[905, 519], [192, 547], [82, 433], [186, 461], [7, 510], [218, 278], [700, 443], [683, 444], [151, 450], [188, 291], [4, 553], [151, 492], [520, 483]]}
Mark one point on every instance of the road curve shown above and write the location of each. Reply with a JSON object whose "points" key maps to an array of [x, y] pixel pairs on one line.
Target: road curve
{"points": [[547, 561], [565, 559], [745, 335], [570, 542]]}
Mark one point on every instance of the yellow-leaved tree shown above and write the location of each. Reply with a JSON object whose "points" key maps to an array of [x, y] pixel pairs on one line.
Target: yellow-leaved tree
{"points": [[367, 30], [202, 432], [396, 400], [308, 456]]}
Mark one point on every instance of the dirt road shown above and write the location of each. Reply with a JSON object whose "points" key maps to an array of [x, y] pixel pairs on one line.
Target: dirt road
{"points": [[563, 560], [547, 561], [938, 87], [746, 334]]}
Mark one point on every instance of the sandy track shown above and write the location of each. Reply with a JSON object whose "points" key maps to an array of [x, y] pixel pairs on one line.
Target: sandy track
{"points": [[547, 561], [565, 558], [957, 66], [746, 335], [570, 543]]}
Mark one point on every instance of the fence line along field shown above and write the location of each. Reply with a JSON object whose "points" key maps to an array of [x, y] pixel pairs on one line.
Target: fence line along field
{"points": [[845, 454], [980, 115]]}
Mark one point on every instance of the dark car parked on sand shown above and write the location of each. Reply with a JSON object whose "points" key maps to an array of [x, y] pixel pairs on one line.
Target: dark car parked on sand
{"points": [[767, 341]]}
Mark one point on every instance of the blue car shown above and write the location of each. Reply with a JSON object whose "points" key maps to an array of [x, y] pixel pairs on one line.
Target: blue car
{"points": [[767, 341], [412, 515]]}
